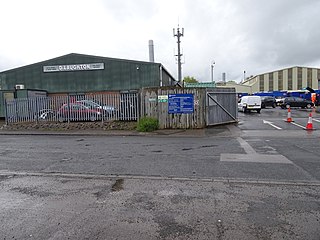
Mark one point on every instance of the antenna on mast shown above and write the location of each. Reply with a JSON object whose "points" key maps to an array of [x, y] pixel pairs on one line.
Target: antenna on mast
{"points": [[179, 33]]}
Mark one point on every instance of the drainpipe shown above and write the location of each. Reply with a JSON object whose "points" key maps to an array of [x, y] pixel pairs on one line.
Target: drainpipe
{"points": [[161, 76]]}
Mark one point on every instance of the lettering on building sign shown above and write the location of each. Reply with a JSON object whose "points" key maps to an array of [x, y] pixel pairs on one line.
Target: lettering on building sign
{"points": [[74, 67]]}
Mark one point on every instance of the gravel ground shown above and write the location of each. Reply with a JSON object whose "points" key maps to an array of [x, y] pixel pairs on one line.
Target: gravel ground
{"points": [[56, 126]]}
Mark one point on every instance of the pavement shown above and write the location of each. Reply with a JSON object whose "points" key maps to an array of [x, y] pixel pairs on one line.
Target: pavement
{"points": [[97, 132], [220, 130], [43, 199], [189, 132]]}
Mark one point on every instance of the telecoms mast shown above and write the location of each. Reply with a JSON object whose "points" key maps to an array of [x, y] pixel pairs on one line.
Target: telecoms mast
{"points": [[178, 34]]}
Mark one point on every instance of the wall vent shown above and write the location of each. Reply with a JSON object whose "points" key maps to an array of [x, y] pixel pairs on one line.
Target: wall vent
{"points": [[19, 86]]}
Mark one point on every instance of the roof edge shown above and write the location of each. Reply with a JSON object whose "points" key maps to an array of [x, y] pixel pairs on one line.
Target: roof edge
{"points": [[83, 55]]}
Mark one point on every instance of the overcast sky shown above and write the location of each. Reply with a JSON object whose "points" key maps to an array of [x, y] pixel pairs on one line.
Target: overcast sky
{"points": [[255, 36]]}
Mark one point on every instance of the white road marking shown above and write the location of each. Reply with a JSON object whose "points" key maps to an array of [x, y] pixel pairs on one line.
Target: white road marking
{"points": [[271, 124], [316, 120], [296, 124], [252, 156], [247, 148]]}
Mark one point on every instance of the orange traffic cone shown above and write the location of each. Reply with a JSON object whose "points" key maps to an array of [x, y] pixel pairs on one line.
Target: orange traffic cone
{"points": [[289, 119], [309, 124]]}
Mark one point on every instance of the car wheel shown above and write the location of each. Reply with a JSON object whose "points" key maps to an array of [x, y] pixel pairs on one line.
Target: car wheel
{"points": [[93, 118], [61, 119], [309, 106], [274, 105], [259, 110], [244, 109], [48, 116]]}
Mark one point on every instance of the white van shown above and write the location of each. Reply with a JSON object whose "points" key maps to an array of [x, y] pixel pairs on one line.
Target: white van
{"points": [[248, 103]]}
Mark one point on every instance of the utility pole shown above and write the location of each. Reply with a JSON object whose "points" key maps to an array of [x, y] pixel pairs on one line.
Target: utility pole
{"points": [[212, 66], [179, 55]]}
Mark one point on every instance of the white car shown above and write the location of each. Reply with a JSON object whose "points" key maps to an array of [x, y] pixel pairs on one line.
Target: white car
{"points": [[279, 100], [248, 103]]}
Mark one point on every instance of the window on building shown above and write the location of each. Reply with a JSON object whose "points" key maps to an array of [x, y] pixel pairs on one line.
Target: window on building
{"points": [[290, 79], [318, 77], [309, 77], [270, 81], [299, 78], [261, 83], [280, 80]]}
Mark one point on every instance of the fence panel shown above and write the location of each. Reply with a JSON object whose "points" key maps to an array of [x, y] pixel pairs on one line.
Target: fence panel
{"points": [[211, 107], [155, 104], [90, 107], [221, 106]]}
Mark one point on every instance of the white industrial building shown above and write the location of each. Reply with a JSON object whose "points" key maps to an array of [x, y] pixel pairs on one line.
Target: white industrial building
{"points": [[293, 78]]}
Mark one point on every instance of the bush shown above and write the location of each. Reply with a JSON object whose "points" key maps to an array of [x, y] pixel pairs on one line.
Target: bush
{"points": [[147, 124]]}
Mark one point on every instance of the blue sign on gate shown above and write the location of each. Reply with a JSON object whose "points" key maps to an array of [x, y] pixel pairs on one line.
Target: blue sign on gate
{"points": [[180, 103]]}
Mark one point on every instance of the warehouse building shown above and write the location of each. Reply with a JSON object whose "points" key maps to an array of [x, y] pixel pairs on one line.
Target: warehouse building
{"points": [[293, 78], [78, 74]]}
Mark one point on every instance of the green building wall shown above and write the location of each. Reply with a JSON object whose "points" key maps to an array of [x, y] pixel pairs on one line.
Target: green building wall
{"points": [[117, 74]]}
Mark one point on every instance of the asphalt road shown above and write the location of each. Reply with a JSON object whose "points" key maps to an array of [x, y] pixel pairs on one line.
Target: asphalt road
{"points": [[259, 179]]}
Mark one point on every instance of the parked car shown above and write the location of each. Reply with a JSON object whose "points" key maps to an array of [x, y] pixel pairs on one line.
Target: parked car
{"points": [[268, 101], [110, 110], [279, 100], [296, 102], [78, 112], [248, 103], [45, 114]]}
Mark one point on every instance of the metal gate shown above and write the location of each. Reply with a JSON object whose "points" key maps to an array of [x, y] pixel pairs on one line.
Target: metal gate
{"points": [[101, 107], [221, 105], [212, 106]]}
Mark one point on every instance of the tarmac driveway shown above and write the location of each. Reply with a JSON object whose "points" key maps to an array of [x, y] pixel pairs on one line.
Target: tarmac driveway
{"points": [[96, 207], [223, 183]]}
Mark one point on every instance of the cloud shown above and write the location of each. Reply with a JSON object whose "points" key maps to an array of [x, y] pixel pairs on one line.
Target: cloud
{"points": [[250, 35], [256, 36], [281, 34], [131, 10]]}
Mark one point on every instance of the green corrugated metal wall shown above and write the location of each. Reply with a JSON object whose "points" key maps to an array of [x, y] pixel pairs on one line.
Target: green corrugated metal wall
{"points": [[117, 75]]}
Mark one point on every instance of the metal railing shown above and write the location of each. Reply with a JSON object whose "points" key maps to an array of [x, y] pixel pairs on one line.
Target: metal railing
{"points": [[102, 107]]}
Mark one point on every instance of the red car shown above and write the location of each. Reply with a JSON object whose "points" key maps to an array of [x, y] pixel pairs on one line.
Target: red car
{"points": [[78, 112]]}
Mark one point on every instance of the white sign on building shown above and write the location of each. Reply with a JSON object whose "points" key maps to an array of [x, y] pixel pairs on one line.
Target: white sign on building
{"points": [[74, 67]]}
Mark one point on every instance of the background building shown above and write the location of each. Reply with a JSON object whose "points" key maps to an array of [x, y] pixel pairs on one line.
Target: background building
{"points": [[85, 73], [80, 74], [294, 78]]}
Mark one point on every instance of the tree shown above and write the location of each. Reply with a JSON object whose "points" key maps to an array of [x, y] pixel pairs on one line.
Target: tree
{"points": [[189, 79], [231, 81]]}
